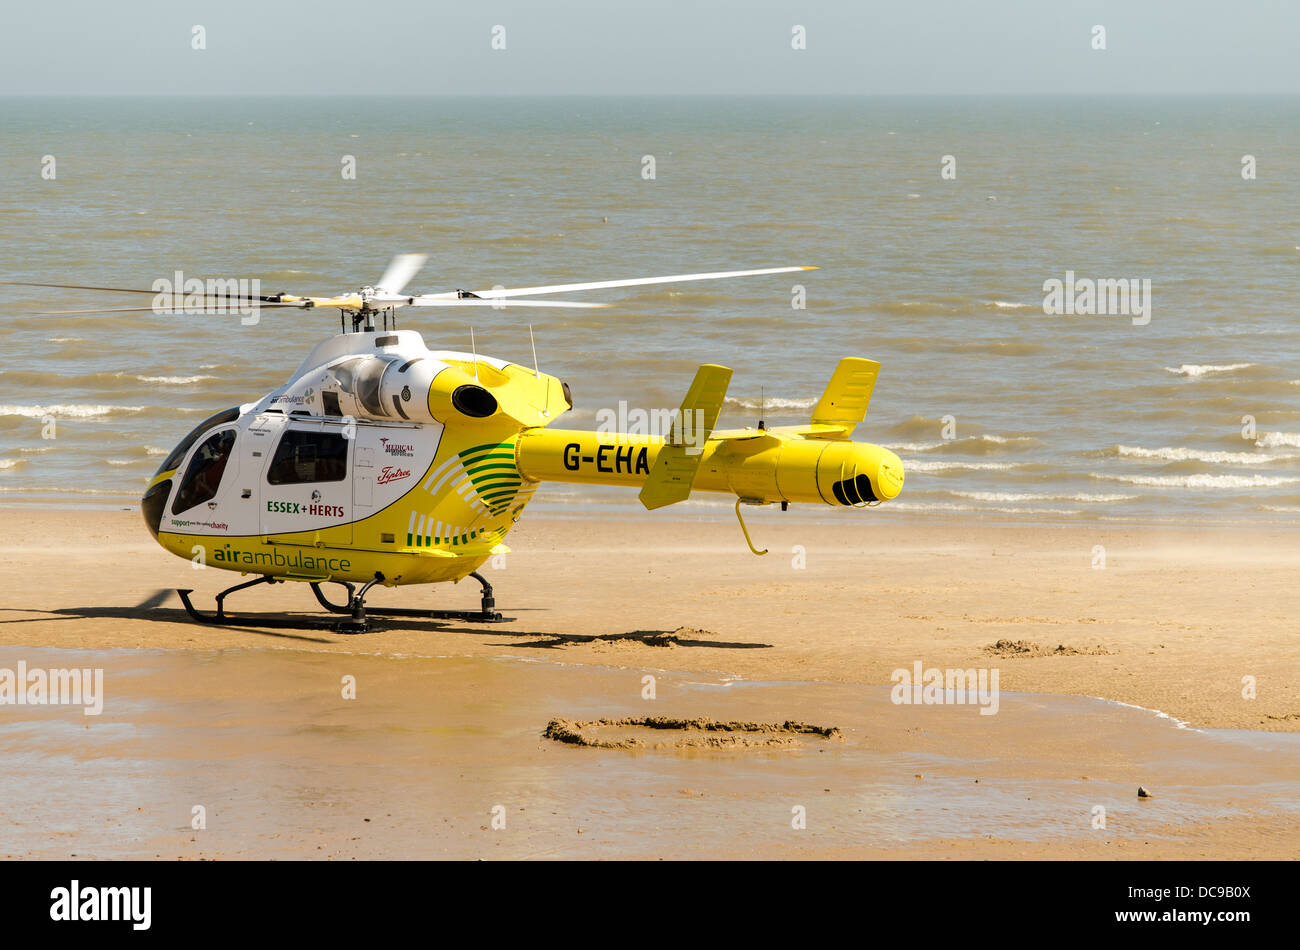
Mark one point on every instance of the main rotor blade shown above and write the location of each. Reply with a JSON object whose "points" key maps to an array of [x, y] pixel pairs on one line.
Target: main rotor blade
{"points": [[260, 306], [499, 302], [400, 271], [264, 298], [633, 282]]}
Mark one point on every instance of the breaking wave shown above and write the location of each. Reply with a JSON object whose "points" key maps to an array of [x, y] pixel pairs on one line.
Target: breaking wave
{"points": [[67, 411], [1201, 481], [996, 496], [174, 380], [1171, 454], [771, 403], [1194, 370], [918, 465]]}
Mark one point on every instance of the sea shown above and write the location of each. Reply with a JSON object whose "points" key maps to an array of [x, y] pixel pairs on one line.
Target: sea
{"points": [[937, 225]]}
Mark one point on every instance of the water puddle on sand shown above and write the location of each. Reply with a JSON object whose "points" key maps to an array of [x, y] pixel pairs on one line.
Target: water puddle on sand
{"points": [[415, 765]]}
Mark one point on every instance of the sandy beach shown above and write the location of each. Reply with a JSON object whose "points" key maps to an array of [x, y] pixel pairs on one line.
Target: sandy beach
{"points": [[1173, 622]]}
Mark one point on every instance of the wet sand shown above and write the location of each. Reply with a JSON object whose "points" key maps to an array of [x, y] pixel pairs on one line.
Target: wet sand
{"points": [[445, 758], [449, 717]]}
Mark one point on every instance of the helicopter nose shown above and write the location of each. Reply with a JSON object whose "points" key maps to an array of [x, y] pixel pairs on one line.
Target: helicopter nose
{"points": [[151, 505]]}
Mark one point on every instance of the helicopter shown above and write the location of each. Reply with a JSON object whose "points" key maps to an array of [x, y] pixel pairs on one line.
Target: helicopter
{"points": [[382, 462]]}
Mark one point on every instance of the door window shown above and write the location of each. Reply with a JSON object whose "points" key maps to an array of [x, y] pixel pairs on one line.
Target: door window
{"points": [[309, 456]]}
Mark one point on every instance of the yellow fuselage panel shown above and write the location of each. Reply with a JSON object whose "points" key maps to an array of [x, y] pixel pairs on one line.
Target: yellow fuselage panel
{"points": [[281, 558]]}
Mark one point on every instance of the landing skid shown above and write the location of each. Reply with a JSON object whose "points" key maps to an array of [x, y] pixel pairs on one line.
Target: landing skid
{"points": [[487, 613], [355, 609], [277, 623]]}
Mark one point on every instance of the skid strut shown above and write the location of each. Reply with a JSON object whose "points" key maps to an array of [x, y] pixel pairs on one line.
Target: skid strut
{"points": [[291, 623], [487, 612], [221, 598], [355, 609]]}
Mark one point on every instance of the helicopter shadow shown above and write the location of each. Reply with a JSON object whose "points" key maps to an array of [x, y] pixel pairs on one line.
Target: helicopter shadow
{"points": [[651, 638], [266, 625], [173, 616]]}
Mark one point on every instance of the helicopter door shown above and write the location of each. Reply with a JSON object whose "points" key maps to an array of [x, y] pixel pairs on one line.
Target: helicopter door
{"points": [[202, 499], [307, 486]]}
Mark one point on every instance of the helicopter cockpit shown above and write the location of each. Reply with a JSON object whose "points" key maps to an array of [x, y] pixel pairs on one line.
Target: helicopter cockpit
{"points": [[199, 477]]}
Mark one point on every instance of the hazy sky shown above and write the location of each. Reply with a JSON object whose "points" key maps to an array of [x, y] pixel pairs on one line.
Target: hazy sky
{"points": [[651, 47]]}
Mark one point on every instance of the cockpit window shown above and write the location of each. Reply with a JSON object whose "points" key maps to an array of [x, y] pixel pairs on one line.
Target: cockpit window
{"points": [[203, 477], [309, 456], [178, 454]]}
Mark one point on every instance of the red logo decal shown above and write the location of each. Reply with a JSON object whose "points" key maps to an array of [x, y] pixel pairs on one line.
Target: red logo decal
{"points": [[391, 474]]}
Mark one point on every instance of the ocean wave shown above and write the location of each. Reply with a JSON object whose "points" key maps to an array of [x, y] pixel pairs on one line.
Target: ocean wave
{"points": [[68, 411], [770, 403], [174, 380], [991, 444], [1008, 305], [922, 465], [1172, 454], [1201, 480], [912, 446], [1089, 497], [10, 464], [1273, 440], [971, 444], [909, 307], [965, 345], [1193, 370], [919, 427], [110, 382], [1001, 509]]}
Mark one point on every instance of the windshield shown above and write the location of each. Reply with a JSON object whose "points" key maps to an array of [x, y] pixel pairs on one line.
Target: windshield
{"points": [[177, 455]]}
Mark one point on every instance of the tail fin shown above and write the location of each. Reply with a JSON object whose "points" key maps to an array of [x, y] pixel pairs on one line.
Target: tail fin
{"points": [[847, 394], [674, 470]]}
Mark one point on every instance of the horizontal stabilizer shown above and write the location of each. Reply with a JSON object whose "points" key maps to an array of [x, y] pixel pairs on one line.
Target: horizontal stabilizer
{"points": [[807, 430]]}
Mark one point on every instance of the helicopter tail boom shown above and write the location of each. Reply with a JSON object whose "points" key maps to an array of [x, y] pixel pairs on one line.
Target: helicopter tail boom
{"points": [[765, 466], [815, 463]]}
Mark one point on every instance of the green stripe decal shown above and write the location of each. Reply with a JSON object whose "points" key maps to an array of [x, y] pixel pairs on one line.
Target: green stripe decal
{"points": [[487, 447], [489, 466], [496, 487]]}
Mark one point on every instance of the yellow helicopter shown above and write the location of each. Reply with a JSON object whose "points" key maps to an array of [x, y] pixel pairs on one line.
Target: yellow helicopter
{"points": [[382, 462]]}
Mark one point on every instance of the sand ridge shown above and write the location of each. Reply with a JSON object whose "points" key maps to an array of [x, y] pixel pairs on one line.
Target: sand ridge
{"points": [[730, 734]]}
